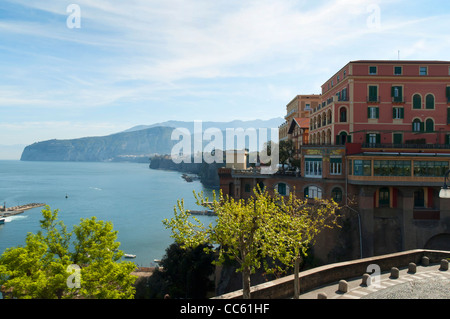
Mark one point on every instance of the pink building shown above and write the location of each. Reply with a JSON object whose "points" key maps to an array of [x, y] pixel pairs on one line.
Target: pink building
{"points": [[384, 102]]}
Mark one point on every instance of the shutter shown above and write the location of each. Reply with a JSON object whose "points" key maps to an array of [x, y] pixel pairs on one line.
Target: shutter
{"points": [[367, 138], [422, 126], [393, 91], [368, 113], [393, 112], [402, 113], [377, 112], [448, 116], [378, 138], [305, 192], [447, 91]]}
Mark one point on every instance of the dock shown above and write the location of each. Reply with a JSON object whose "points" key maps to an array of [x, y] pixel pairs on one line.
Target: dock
{"points": [[16, 210], [202, 212]]}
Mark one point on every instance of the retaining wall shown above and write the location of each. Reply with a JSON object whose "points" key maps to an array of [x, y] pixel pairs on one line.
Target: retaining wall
{"points": [[310, 279]]}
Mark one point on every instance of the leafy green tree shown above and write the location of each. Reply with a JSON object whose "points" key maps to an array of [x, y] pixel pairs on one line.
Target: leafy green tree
{"points": [[185, 273], [264, 227], [46, 266], [286, 152]]}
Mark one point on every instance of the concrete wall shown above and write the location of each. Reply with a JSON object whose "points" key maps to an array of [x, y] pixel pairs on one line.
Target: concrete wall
{"points": [[313, 278]]}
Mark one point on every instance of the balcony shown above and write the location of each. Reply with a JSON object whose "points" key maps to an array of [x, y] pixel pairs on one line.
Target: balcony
{"points": [[407, 146], [373, 99], [398, 100]]}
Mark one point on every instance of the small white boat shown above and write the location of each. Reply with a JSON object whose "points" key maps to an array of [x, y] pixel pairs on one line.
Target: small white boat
{"points": [[2, 221], [129, 256]]}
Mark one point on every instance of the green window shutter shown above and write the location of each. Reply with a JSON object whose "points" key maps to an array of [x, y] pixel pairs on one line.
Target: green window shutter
{"points": [[367, 138], [448, 116], [417, 102], [349, 138], [402, 113], [393, 112], [368, 112], [393, 91], [305, 192], [378, 138], [377, 111], [422, 126], [447, 91]]}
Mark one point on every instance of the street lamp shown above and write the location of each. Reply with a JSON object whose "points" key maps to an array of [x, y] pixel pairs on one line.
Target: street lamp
{"points": [[445, 190]]}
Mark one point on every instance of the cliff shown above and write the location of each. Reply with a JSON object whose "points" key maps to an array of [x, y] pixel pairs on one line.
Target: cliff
{"points": [[131, 146], [207, 172]]}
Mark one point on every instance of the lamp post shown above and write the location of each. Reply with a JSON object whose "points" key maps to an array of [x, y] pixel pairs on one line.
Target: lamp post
{"points": [[445, 190]]}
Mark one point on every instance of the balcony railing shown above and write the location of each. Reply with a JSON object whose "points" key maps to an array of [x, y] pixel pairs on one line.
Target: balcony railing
{"points": [[407, 146], [373, 99]]}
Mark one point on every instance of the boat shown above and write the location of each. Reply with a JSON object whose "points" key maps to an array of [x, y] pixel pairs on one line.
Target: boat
{"points": [[2, 221], [129, 256]]}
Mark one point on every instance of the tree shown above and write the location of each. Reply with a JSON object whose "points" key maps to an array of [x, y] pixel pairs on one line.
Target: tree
{"points": [[50, 266], [185, 274], [286, 150], [264, 227]]}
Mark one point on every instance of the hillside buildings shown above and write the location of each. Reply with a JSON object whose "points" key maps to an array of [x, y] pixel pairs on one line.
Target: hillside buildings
{"points": [[377, 140]]}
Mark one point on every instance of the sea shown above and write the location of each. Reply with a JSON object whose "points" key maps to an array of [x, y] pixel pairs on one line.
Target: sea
{"points": [[132, 196]]}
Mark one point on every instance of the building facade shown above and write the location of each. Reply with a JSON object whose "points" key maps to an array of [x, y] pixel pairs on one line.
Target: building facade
{"points": [[299, 107], [379, 144]]}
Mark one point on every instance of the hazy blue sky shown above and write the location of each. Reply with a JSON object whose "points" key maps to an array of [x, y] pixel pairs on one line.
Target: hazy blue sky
{"points": [[145, 61]]}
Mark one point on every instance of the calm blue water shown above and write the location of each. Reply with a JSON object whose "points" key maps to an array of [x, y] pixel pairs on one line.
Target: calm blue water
{"points": [[133, 197]]}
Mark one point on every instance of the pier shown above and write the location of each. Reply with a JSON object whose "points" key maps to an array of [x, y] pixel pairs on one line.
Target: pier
{"points": [[202, 212], [11, 211]]}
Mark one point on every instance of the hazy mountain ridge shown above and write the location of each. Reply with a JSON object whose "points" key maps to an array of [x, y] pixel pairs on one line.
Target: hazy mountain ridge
{"points": [[141, 141]]}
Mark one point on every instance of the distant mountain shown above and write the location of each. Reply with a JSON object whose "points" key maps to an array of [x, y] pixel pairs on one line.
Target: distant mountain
{"points": [[272, 123], [135, 144]]}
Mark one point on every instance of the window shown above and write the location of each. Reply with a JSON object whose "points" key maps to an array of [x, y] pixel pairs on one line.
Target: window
{"points": [[429, 125], [397, 138], [417, 101], [336, 194], [373, 112], [398, 113], [423, 70], [313, 167], [372, 70], [362, 168], [447, 93], [419, 198], [313, 192], [429, 102], [447, 139], [397, 94], [343, 95], [282, 189], [391, 168], [247, 188], [343, 138], [307, 107], [373, 93], [430, 168], [342, 114], [417, 126], [336, 165], [373, 138], [398, 70], [384, 197]]}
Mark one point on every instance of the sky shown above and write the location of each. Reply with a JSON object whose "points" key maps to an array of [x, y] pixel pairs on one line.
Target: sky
{"points": [[77, 68]]}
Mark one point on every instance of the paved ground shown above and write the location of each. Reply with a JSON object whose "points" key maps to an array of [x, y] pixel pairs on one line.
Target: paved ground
{"points": [[427, 283]]}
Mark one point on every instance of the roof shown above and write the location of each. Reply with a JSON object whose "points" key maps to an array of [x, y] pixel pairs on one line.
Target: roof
{"points": [[402, 61], [302, 122]]}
